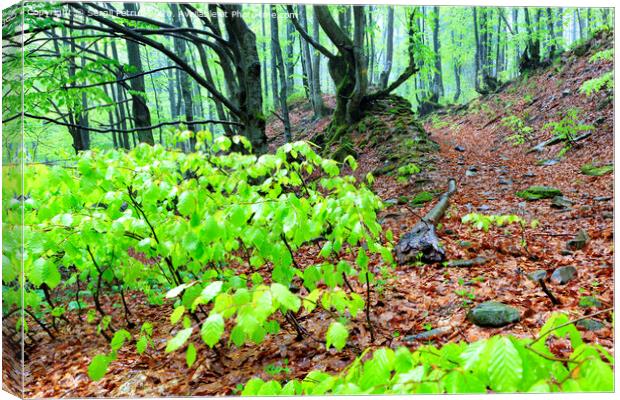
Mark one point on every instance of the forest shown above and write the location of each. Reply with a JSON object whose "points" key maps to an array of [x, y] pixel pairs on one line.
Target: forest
{"points": [[268, 199]]}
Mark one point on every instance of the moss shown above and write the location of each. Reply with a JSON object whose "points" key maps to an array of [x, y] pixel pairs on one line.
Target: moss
{"points": [[343, 150], [421, 198]]}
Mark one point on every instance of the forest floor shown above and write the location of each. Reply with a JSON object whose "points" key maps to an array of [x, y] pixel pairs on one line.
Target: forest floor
{"points": [[429, 299]]}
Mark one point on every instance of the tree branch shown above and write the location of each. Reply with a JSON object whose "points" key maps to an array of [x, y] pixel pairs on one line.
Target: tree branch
{"points": [[138, 128], [306, 36], [170, 54]]}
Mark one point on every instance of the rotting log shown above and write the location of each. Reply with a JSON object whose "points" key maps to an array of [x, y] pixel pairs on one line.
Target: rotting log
{"points": [[422, 242], [555, 140]]}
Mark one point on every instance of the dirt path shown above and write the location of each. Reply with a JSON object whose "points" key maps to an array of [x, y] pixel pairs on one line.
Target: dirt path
{"points": [[489, 172]]}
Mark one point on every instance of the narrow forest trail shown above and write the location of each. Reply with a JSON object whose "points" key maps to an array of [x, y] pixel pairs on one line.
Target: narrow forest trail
{"points": [[489, 171]]}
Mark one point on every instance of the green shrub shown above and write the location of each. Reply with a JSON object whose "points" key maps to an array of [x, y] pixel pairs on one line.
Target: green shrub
{"points": [[501, 364], [520, 131]]}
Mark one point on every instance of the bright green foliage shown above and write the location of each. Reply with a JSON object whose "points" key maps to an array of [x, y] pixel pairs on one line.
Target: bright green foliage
{"points": [[135, 219], [336, 335], [484, 222], [520, 131], [591, 170], [498, 364], [99, 366], [568, 128], [595, 85], [421, 198], [408, 170], [605, 81]]}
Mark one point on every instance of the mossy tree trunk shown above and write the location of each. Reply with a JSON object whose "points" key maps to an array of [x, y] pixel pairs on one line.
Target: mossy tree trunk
{"points": [[348, 68]]}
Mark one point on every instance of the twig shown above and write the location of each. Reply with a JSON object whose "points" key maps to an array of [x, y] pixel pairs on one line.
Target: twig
{"points": [[370, 328], [569, 323], [544, 288]]}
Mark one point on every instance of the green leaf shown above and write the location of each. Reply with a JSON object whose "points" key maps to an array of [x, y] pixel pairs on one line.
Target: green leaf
{"points": [[142, 344], [177, 314], [337, 335], [99, 366], [209, 292], [596, 376], [505, 366], [119, 339], [190, 355], [174, 292], [212, 329], [179, 340], [187, 203], [284, 296]]}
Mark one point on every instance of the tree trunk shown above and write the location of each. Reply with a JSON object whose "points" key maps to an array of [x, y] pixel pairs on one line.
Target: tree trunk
{"points": [[389, 50], [551, 33], [204, 61], [478, 55], [248, 73], [277, 52], [141, 113], [121, 104], [580, 22], [319, 106], [186, 91], [457, 71], [264, 51], [437, 81], [370, 36], [305, 57], [274, 72], [288, 61]]}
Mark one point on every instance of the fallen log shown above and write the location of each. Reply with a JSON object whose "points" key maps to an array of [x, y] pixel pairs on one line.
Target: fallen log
{"points": [[422, 242], [555, 140]]}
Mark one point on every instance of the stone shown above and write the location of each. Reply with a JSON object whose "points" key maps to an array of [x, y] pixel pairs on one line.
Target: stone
{"points": [[565, 92], [529, 175], [602, 198], [470, 173], [579, 242], [590, 301], [388, 167], [459, 148], [538, 275], [608, 214], [539, 192], [565, 252], [493, 314], [561, 202], [592, 170], [564, 275], [465, 244], [391, 202], [503, 181], [548, 163], [590, 324], [428, 335], [473, 168], [484, 207], [467, 263]]}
